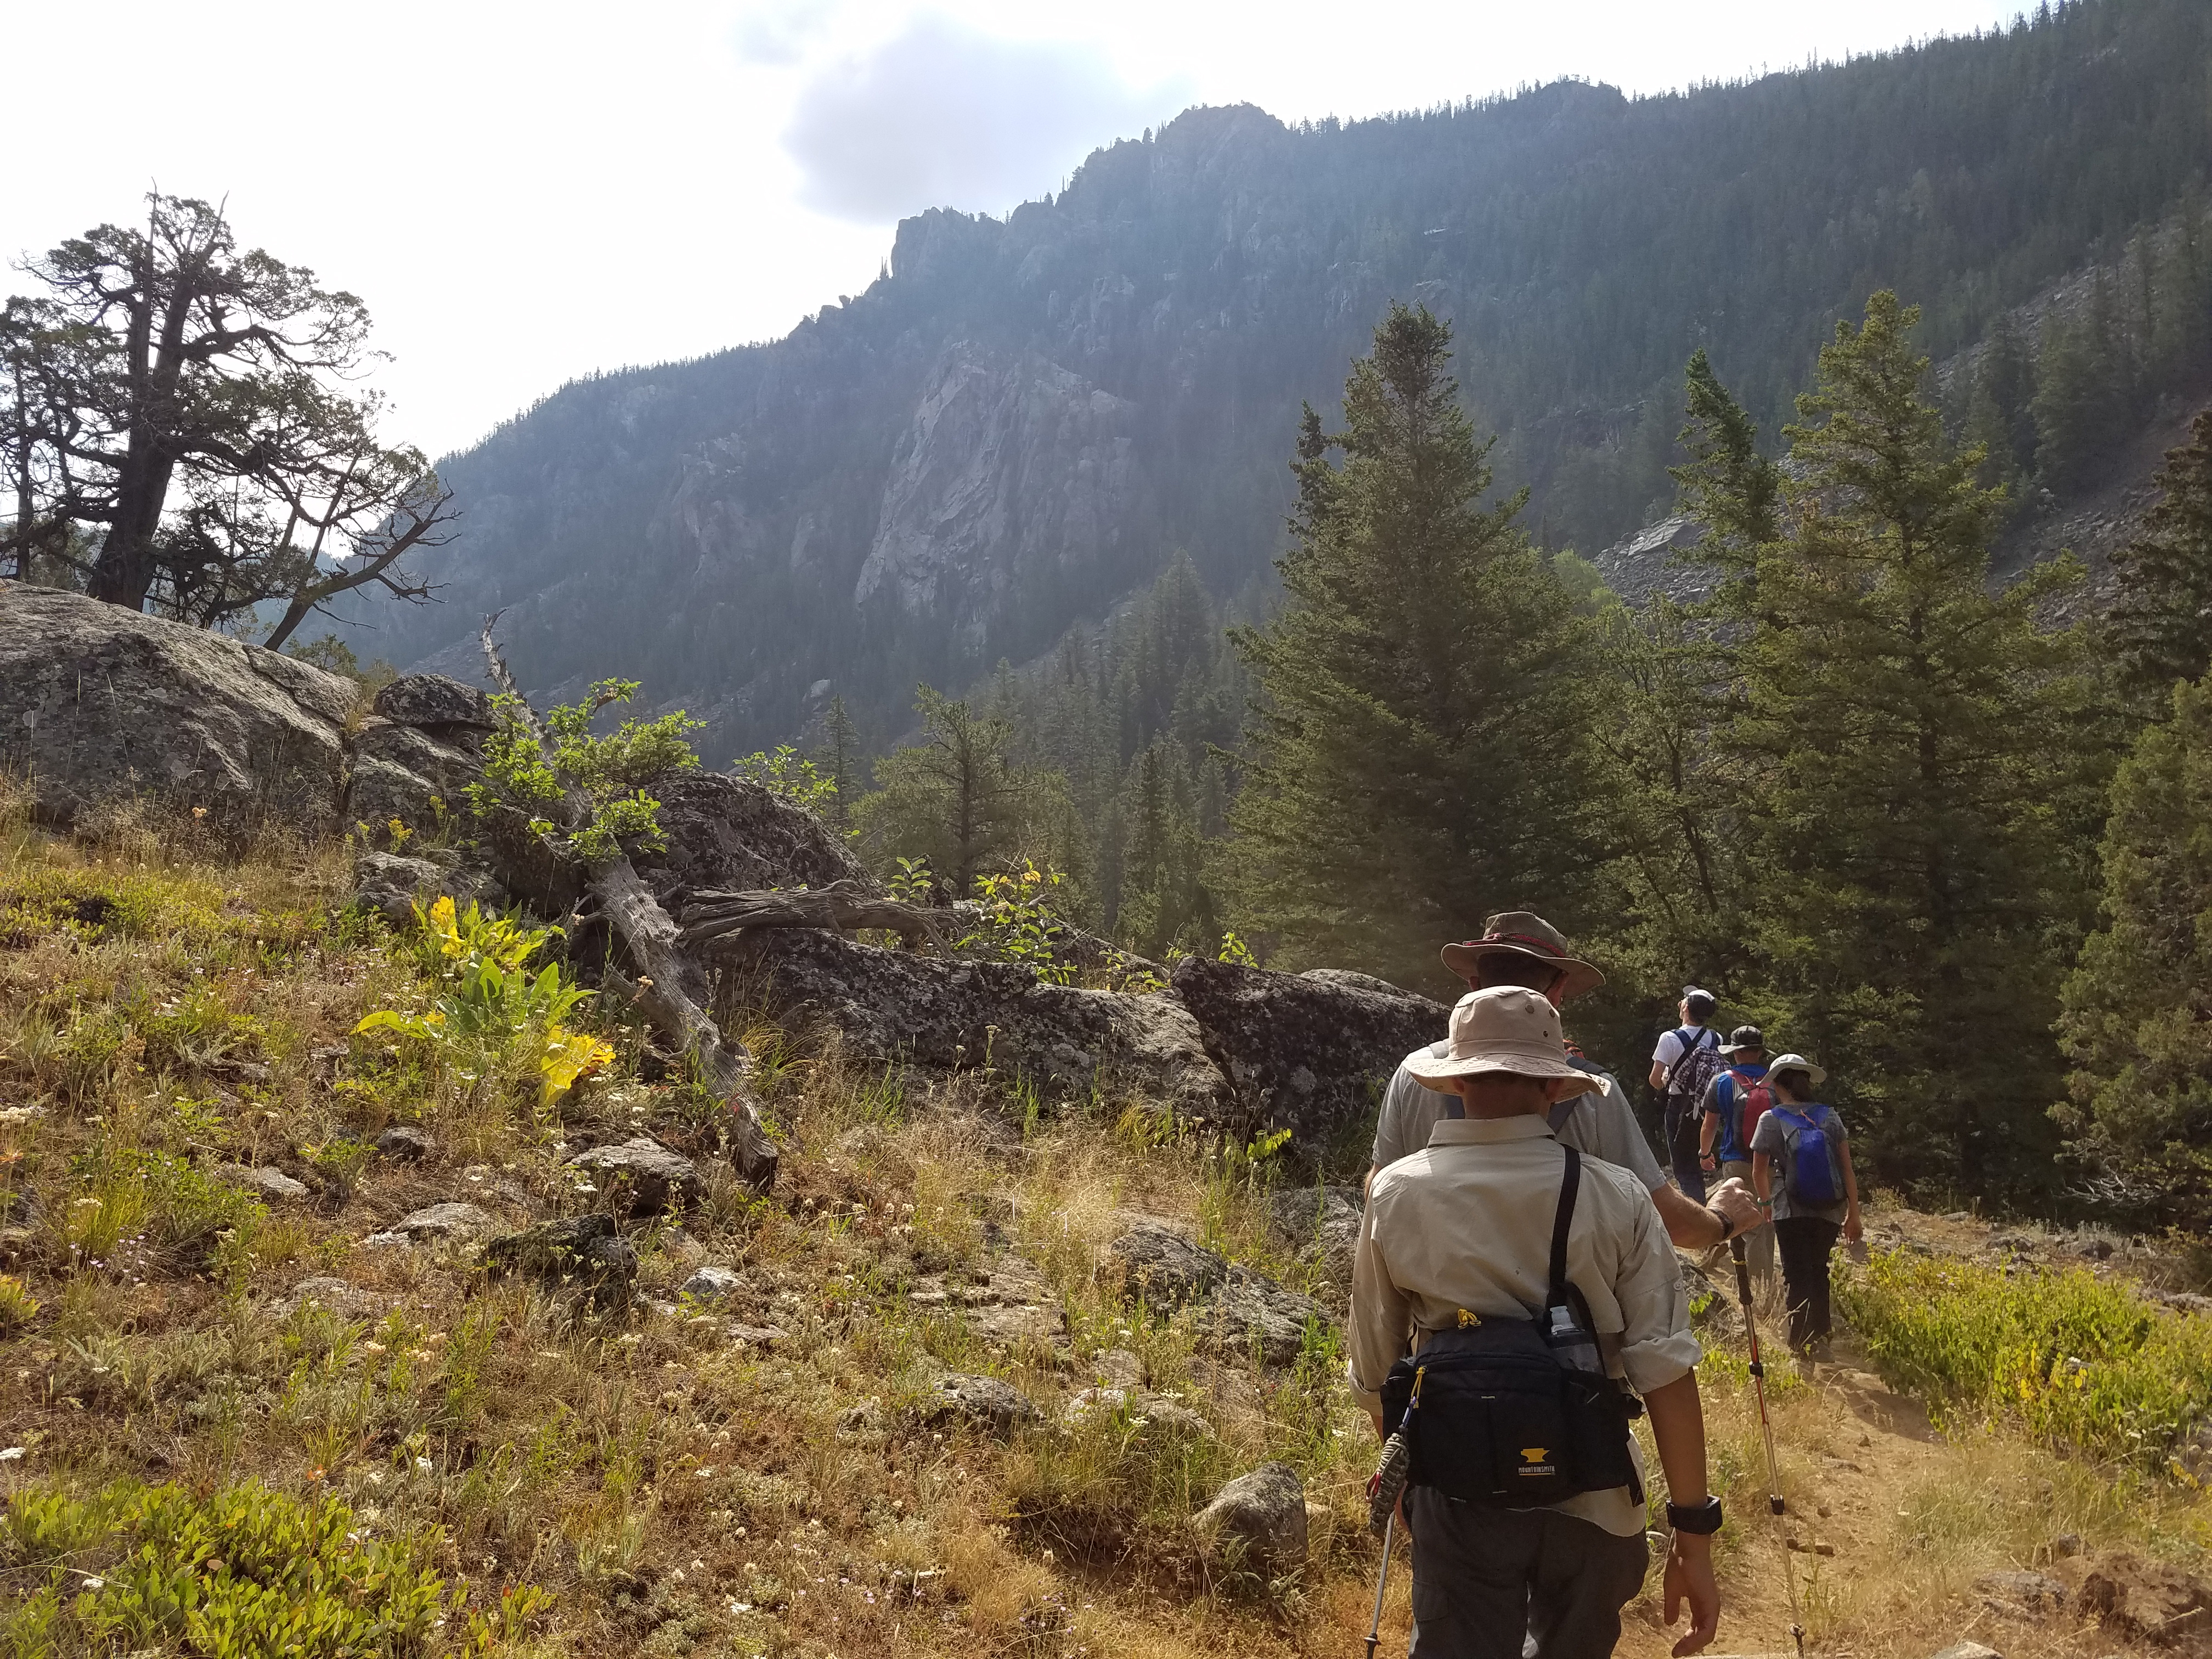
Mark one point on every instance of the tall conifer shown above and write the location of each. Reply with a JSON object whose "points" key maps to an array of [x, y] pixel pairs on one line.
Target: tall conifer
{"points": [[1417, 755], [2162, 625], [1910, 746]]}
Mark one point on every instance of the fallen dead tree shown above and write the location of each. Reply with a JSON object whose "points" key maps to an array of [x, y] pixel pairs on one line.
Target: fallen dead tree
{"points": [[842, 907], [667, 988]]}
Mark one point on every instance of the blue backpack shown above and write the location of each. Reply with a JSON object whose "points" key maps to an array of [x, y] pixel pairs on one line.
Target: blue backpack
{"points": [[1811, 1173]]}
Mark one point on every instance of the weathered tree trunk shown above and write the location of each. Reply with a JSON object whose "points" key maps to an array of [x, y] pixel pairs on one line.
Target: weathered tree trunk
{"points": [[714, 914], [668, 989]]}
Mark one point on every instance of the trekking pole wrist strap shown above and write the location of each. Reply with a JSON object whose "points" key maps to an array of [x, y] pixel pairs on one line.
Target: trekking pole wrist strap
{"points": [[1702, 1519]]}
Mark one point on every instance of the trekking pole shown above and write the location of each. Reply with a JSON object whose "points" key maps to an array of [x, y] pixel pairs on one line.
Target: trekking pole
{"points": [[1375, 1625], [1774, 1502], [1382, 1495]]}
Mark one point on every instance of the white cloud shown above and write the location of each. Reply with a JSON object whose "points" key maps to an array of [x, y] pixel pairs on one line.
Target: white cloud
{"points": [[944, 115], [776, 35]]}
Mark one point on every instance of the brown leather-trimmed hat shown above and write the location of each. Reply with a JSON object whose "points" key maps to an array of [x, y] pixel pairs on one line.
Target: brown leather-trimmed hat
{"points": [[1524, 933]]}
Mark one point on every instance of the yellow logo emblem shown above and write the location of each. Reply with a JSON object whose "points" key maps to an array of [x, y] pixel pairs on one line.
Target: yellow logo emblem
{"points": [[1468, 1320], [1533, 1454]]}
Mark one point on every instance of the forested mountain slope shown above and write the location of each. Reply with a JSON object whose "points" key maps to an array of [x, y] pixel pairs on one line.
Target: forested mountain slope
{"points": [[1022, 421]]}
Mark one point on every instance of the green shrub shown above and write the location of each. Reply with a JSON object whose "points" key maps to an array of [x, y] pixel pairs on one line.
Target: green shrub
{"points": [[247, 1573], [2071, 1360]]}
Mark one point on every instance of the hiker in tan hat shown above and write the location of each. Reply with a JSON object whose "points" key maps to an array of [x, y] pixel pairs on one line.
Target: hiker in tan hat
{"points": [[1518, 947], [1504, 1290]]}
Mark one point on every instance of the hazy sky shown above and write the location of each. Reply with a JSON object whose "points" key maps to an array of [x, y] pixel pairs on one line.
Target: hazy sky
{"points": [[523, 194]]}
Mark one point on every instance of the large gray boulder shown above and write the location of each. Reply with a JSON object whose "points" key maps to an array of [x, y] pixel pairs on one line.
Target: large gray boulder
{"points": [[99, 704], [1258, 1520], [1234, 1311], [941, 1014], [641, 1176], [403, 772], [1310, 1053], [728, 833], [438, 704]]}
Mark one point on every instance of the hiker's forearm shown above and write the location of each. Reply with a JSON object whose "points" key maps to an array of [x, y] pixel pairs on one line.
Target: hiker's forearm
{"points": [[1678, 1428], [1850, 1177], [1708, 1131], [1762, 1176]]}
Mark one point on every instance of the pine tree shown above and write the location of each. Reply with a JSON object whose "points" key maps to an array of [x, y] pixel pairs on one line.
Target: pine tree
{"points": [[2139, 1123], [1419, 751], [953, 798], [840, 760], [2081, 402], [2001, 411], [1910, 751], [2162, 623]]}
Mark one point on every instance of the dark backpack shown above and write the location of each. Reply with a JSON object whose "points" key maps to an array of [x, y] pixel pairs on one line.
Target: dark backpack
{"points": [[1811, 1173], [1697, 1065], [1516, 1411], [1754, 1099]]}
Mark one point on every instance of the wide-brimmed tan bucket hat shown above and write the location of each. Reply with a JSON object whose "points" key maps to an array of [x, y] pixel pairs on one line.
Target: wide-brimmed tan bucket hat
{"points": [[1524, 933], [1506, 1028], [1797, 1063]]}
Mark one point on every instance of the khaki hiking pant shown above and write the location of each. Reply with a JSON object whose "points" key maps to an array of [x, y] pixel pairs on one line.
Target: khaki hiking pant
{"points": [[1759, 1246]]}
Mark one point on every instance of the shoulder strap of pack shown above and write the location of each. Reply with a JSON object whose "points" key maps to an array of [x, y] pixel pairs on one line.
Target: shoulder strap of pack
{"points": [[1563, 1221]]}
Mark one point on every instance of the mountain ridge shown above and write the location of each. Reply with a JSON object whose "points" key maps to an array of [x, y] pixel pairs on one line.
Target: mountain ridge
{"points": [[1023, 420]]}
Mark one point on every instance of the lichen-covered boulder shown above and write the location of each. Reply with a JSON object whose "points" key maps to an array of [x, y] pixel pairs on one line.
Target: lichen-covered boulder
{"points": [[405, 773], [1234, 1311], [99, 704], [730, 834], [943, 1014], [978, 1403], [1310, 1053], [641, 1176], [1258, 1520], [437, 704]]}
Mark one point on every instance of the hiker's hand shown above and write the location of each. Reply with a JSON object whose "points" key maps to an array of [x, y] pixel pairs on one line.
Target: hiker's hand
{"points": [[1736, 1201], [1707, 1161], [1690, 1577], [1853, 1230]]}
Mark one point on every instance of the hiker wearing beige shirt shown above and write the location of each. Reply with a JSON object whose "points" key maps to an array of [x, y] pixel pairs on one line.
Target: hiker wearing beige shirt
{"points": [[1475, 1231]]}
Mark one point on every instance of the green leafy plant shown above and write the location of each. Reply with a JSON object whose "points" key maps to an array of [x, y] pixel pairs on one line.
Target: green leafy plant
{"points": [[1234, 949], [788, 775], [912, 882], [610, 771], [1014, 922], [491, 999]]}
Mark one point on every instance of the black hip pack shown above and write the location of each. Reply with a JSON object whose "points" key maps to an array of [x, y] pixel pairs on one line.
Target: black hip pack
{"points": [[1517, 1412]]}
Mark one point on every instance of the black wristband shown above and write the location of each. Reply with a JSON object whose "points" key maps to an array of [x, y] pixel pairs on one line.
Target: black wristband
{"points": [[1727, 1221], [1701, 1518]]}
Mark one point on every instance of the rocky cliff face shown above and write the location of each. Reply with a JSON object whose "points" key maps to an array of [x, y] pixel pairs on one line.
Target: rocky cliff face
{"points": [[1012, 475]]}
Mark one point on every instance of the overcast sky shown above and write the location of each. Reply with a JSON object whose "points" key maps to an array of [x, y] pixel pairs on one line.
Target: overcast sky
{"points": [[526, 193]]}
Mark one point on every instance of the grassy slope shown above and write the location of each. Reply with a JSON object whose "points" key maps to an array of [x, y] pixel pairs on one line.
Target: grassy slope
{"points": [[162, 1013]]}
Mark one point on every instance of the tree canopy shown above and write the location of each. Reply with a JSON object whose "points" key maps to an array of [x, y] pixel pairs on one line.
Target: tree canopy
{"points": [[182, 434]]}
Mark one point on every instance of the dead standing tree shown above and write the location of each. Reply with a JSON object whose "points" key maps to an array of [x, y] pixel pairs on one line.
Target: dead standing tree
{"points": [[668, 988]]}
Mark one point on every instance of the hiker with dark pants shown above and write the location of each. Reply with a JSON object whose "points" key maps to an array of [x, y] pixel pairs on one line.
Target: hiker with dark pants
{"points": [[1802, 1165], [1504, 1290], [1734, 1101], [1518, 947], [1681, 1065]]}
